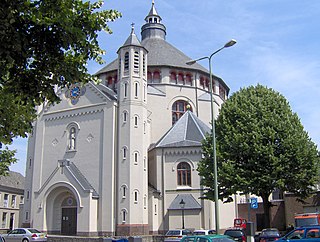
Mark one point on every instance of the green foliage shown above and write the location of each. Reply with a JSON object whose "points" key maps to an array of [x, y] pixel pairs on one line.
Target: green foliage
{"points": [[261, 146], [44, 43]]}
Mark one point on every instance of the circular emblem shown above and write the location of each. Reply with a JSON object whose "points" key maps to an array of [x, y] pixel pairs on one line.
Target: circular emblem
{"points": [[74, 92], [70, 201]]}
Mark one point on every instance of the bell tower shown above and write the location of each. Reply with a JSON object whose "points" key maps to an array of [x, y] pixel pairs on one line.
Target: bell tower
{"points": [[132, 172]]}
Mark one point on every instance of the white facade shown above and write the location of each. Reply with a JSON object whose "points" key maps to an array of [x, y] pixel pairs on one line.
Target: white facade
{"points": [[107, 160]]}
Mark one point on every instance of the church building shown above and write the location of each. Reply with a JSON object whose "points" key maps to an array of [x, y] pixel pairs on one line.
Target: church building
{"points": [[120, 158]]}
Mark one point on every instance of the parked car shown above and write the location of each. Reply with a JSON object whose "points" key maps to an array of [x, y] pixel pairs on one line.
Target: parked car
{"points": [[207, 238], [176, 234], [269, 234], [237, 233], [25, 235], [204, 231], [303, 234]]}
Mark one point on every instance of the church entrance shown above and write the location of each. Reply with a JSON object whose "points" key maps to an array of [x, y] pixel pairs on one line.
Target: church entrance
{"points": [[69, 221], [69, 216]]}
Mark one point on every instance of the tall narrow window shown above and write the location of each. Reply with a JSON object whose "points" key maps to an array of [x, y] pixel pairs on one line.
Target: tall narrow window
{"points": [[28, 195], [173, 78], [123, 191], [4, 220], [5, 200], [144, 64], [136, 197], [124, 153], [145, 201], [184, 174], [136, 88], [136, 62], [13, 201], [135, 121], [126, 61], [124, 216], [125, 116], [136, 157], [125, 90], [178, 109]]}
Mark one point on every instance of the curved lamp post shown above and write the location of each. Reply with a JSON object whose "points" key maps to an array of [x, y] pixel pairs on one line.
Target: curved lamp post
{"points": [[182, 204], [215, 167]]}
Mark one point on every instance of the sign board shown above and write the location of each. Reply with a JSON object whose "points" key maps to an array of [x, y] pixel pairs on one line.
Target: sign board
{"points": [[254, 202]]}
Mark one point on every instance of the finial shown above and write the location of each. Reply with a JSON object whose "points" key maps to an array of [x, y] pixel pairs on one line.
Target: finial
{"points": [[132, 27], [152, 2]]}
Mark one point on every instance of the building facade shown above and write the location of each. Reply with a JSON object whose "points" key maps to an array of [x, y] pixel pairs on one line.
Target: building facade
{"points": [[118, 158], [11, 198]]}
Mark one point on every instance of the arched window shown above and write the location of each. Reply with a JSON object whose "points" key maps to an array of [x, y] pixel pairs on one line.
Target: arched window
{"points": [[173, 78], [202, 84], [125, 116], [135, 157], [124, 153], [178, 109], [156, 77], [135, 196], [124, 213], [123, 189], [188, 80], [135, 121], [180, 79], [72, 138], [184, 174], [149, 77]]}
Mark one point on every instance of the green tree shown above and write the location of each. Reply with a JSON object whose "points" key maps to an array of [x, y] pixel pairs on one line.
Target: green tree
{"points": [[261, 146], [44, 43]]}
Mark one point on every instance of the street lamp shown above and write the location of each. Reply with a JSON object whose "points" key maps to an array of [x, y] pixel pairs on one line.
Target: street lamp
{"points": [[182, 204], [215, 167]]}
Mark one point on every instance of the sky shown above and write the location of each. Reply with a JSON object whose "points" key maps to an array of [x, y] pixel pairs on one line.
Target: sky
{"points": [[278, 46]]}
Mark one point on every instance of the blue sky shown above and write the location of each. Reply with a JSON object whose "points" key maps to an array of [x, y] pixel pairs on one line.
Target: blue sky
{"points": [[278, 46]]}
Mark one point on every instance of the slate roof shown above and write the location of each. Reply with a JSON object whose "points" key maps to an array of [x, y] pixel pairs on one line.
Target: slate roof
{"points": [[190, 202], [188, 131], [132, 39], [12, 180]]}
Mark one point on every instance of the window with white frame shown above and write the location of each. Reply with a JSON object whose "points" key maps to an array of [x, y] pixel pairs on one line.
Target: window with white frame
{"points": [[4, 220], [184, 174], [13, 201], [5, 200]]}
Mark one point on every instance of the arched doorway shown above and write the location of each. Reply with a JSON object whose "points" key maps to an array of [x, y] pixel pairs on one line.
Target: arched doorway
{"points": [[61, 211]]}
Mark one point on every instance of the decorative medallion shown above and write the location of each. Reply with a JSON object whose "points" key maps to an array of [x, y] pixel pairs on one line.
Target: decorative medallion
{"points": [[74, 92], [69, 201]]}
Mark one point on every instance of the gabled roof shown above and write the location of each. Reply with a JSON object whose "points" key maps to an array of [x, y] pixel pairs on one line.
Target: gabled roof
{"points": [[189, 202], [189, 130]]}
